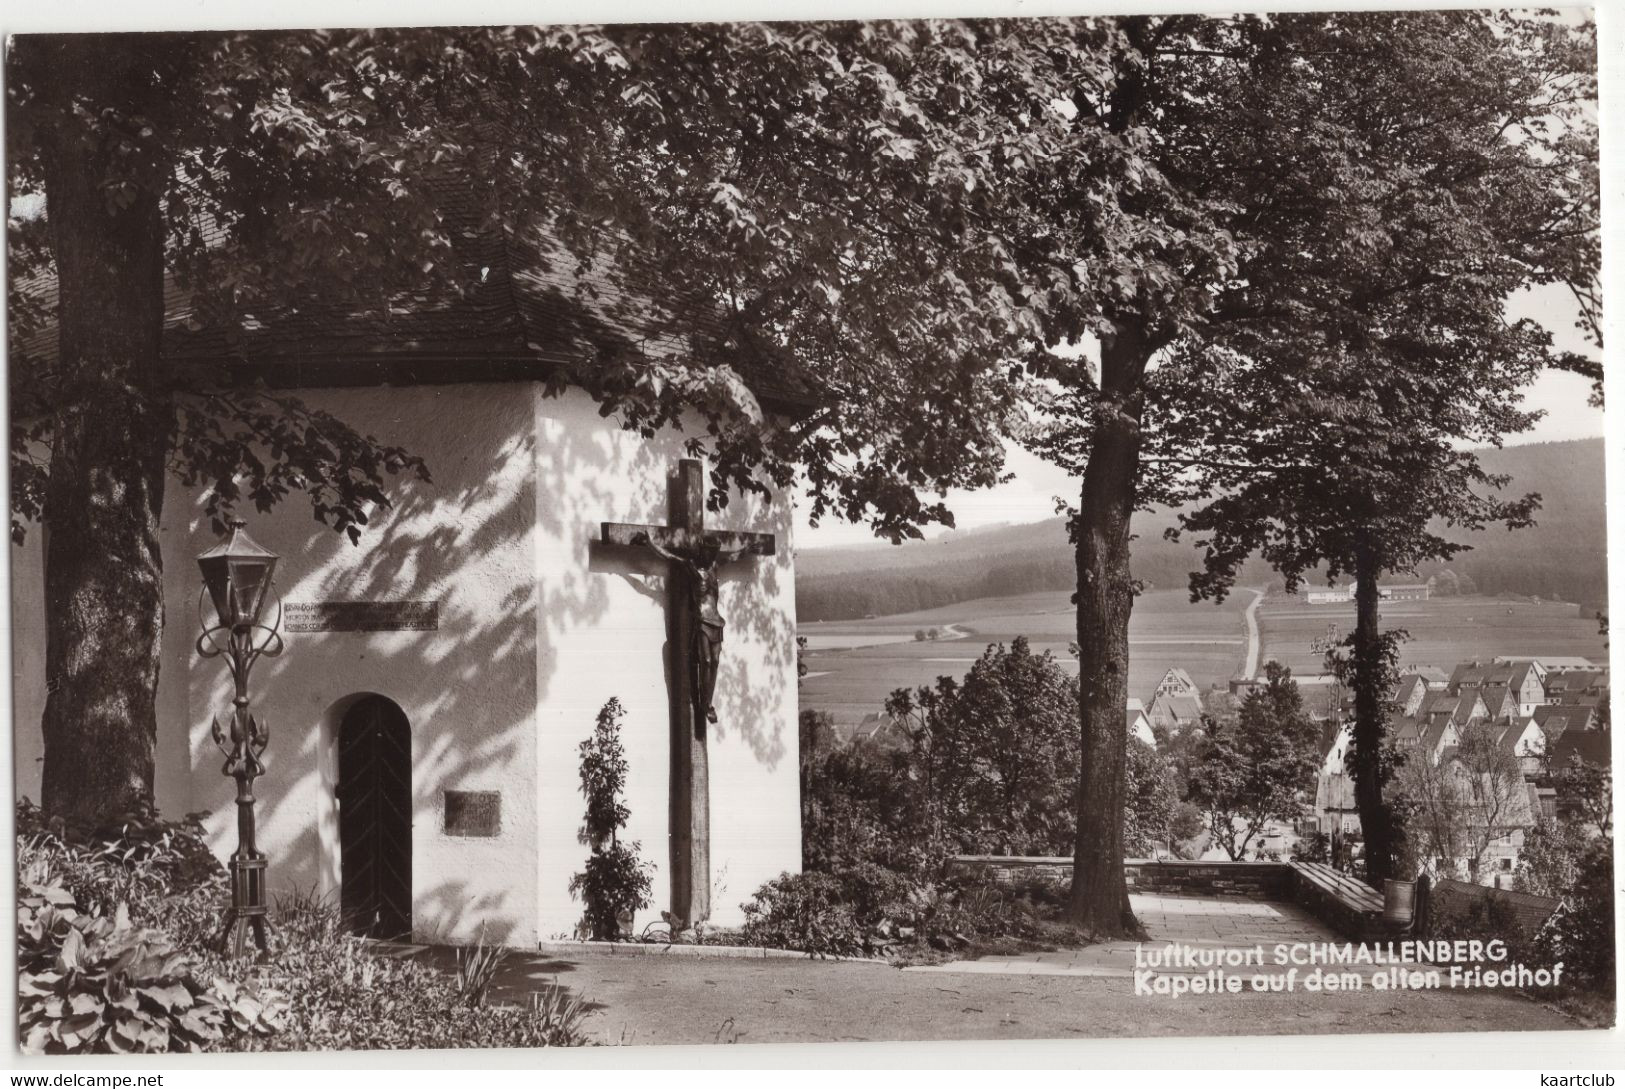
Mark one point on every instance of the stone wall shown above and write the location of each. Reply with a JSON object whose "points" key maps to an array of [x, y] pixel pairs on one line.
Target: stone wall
{"points": [[1258, 880]]}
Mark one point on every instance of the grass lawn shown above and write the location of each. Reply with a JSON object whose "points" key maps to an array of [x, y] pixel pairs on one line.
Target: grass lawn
{"points": [[690, 1000]]}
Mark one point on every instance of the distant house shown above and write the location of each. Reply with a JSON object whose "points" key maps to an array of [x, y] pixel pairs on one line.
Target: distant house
{"points": [[1438, 722], [1177, 682], [1433, 675], [1335, 809], [1139, 723], [1175, 714], [1331, 595], [1524, 739], [1500, 704], [1177, 703], [1524, 678], [1574, 748], [1586, 687], [1335, 740], [1410, 692], [1503, 830], [1562, 663], [1556, 721]]}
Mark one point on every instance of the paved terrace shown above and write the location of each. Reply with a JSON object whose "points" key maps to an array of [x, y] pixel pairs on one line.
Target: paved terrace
{"points": [[1068, 994], [1200, 922]]}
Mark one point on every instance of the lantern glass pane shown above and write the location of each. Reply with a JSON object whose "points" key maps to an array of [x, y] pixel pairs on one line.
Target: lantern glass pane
{"points": [[249, 579]]}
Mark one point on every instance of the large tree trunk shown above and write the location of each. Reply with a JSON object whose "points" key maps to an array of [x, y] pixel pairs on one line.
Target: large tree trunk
{"points": [[103, 571], [1370, 717], [1099, 898]]}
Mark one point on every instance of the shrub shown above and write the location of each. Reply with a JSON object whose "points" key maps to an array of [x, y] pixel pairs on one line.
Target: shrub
{"points": [[1582, 936], [162, 871], [92, 983], [1315, 847], [615, 883], [880, 898], [977, 911], [868, 910], [108, 980], [806, 911]]}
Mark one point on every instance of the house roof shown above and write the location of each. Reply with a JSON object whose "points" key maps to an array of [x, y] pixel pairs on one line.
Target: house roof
{"points": [[1562, 662], [510, 305], [1329, 732], [1436, 734], [1554, 720], [1528, 911], [1180, 708], [1407, 730], [1515, 737], [1592, 746], [1572, 683], [1507, 674]]}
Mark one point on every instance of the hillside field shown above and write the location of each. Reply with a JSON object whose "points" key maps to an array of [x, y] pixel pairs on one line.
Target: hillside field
{"points": [[854, 665], [1443, 630]]}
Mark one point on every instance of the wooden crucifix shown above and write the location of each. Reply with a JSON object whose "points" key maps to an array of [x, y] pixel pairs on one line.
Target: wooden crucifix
{"points": [[695, 631]]}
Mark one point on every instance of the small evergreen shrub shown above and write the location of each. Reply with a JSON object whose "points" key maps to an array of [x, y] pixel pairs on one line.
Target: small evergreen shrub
{"points": [[616, 882]]}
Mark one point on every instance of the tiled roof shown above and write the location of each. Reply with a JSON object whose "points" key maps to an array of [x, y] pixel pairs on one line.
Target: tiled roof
{"points": [[1575, 682], [1506, 674], [1555, 720], [1591, 746]]}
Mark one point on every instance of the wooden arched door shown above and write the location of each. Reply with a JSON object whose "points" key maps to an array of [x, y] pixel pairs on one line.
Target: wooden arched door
{"points": [[375, 819]]}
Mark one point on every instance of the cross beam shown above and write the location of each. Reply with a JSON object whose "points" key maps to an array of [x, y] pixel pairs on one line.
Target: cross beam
{"points": [[674, 539], [694, 628]]}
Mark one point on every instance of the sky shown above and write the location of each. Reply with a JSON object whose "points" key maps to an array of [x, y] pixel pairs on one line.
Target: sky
{"points": [[1030, 496]]}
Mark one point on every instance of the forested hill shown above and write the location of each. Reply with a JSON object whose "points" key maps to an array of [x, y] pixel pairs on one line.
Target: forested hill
{"points": [[1563, 556]]}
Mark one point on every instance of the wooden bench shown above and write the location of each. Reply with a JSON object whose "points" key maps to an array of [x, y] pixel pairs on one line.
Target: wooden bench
{"points": [[1349, 906]]}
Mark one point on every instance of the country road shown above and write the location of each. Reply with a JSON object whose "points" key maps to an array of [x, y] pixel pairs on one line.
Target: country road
{"points": [[1250, 670]]}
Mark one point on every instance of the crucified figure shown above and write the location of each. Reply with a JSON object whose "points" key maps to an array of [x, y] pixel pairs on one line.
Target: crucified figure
{"points": [[698, 578]]}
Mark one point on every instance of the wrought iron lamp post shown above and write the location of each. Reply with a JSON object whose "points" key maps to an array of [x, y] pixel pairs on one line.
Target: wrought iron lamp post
{"points": [[237, 577]]}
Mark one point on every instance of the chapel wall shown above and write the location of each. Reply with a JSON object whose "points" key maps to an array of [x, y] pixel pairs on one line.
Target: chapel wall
{"points": [[467, 688], [602, 633], [537, 628]]}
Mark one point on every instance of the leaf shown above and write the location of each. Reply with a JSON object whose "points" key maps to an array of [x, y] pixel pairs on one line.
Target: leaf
{"points": [[170, 996], [85, 1003], [71, 956]]}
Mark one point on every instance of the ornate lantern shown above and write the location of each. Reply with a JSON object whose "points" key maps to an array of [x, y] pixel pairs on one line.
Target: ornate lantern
{"points": [[237, 578]]}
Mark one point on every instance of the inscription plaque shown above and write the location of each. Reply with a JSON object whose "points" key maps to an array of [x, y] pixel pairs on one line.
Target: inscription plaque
{"points": [[361, 616], [473, 812]]}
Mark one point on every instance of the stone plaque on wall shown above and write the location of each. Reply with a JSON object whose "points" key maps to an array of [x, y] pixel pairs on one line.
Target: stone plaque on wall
{"points": [[361, 616], [473, 812]]}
